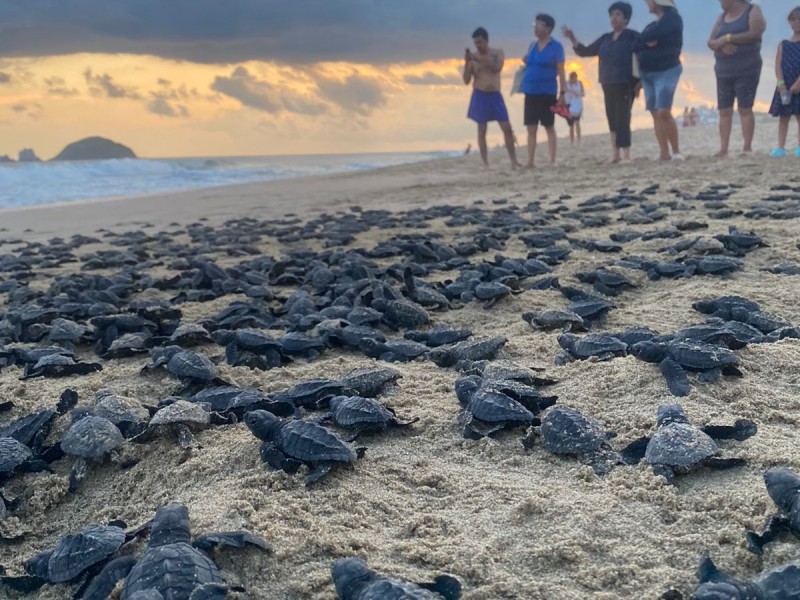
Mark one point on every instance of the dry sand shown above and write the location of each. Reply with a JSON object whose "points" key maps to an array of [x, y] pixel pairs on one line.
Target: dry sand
{"points": [[424, 501]]}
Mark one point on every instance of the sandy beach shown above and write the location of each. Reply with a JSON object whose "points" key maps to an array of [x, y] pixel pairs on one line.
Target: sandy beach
{"points": [[507, 523]]}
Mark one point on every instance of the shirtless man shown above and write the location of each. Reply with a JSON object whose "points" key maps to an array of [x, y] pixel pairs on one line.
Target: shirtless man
{"points": [[483, 70]]}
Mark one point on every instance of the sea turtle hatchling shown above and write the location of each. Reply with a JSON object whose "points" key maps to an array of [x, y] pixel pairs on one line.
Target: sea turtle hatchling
{"points": [[678, 447], [369, 382], [470, 350], [780, 583], [360, 415], [288, 444], [566, 320], [59, 365], [567, 431], [594, 346], [354, 580], [180, 418], [486, 410], [783, 486], [89, 438]]}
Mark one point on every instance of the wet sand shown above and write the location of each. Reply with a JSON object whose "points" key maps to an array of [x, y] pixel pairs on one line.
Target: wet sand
{"points": [[425, 500]]}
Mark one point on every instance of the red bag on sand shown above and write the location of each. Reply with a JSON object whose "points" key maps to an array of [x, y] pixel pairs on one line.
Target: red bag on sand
{"points": [[561, 110]]}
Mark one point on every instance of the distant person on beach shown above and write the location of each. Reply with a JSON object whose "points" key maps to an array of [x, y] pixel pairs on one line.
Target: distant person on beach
{"points": [[736, 42], [574, 101], [544, 74], [687, 117], [658, 48], [786, 101], [694, 118], [615, 51], [483, 70]]}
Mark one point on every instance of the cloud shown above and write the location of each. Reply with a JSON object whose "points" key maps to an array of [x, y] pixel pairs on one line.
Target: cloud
{"points": [[357, 93], [103, 85], [263, 96], [4, 77], [210, 31], [432, 79], [19, 108], [160, 105], [57, 86]]}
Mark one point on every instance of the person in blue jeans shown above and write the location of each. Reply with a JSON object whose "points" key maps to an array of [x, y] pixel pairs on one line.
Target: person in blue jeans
{"points": [[658, 48], [544, 77]]}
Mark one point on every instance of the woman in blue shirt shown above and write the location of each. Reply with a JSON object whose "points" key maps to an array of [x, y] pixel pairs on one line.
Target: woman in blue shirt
{"points": [[544, 72], [615, 50], [659, 50]]}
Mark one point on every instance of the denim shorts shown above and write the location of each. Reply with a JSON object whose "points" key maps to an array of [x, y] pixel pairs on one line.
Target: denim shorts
{"points": [[659, 87]]}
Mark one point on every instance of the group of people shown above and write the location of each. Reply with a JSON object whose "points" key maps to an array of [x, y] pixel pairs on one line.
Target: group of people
{"points": [[630, 61]]}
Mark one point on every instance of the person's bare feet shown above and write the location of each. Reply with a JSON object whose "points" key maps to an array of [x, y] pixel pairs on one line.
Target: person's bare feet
{"points": [[515, 166], [530, 166], [721, 155], [613, 160]]}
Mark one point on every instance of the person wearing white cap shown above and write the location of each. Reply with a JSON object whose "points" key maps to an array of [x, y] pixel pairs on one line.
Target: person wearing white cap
{"points": [[659, 51]]}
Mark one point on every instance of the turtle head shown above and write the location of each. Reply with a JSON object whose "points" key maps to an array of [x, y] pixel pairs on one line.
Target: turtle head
{"points": [[670, 413], [567, 340], [783, 486], [37, 566], [649, 351], [334, 402], [466, 388], [170, 526], [351, 576], [262, 424]]}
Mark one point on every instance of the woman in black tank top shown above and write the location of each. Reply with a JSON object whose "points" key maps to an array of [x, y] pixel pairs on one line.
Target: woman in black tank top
{"points": [[736, 42]]}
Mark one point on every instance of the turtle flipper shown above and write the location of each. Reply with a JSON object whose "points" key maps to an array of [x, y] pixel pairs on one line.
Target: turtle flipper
{"points": [[106, 580], [633, 453], [677, 381], [720, 464], [709, 375], [775, 526], [665, 472], [234, 539], [318, 472], [210, 591], [741, 430], [277, 459], [397, 423], [447, 586], [184, 436], [25, 584]]}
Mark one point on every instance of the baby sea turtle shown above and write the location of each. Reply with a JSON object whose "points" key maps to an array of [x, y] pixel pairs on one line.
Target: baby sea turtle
{"points": [[783, 486], [369, 382], [309, 393], [569, 432], [438, 336], [172, 567], [190, 334], [566, 320], [596, 346], [89, 438], [181, 419], [486, 410], [291, 443], [59, 365], [678, 447], [780, 583], [126, 413], [723, 306], [470, 350], [676, 357], [393, 350], [354, 580], [403, 314], [360, 415], [16, 456]]}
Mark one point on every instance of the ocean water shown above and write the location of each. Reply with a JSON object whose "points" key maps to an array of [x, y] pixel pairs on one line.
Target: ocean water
{"points": [[28, 184]]}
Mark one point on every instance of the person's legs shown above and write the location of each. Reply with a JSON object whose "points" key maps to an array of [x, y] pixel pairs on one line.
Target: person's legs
{"points": [[551, 142], [783, 131], [661, 136], [532, 131], [611, 114], [572, 132], [748, 120], [578, 130], [798, 130], [623, 107], [508, 133], [671, 129], [482, 127], [666, 83], [746, 87], [725, 127]]}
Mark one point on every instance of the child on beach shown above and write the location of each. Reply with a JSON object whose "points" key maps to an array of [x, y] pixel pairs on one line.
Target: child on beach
{"points": [[787, 97], [574, 100]]}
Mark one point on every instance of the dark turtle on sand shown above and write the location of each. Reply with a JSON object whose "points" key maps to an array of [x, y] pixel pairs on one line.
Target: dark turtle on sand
{"points": [[360, 415], [172, 567], [491, 292], [66, 331], [566, 320], [190, 334], [288, 444], [676, 357], [58, 365], [783, 486], [393, 350], [569, 432], [723, 306], [369, 382], [89, 438], [403, 314], [678, 447], [595, 346], [16, 456], [780, 583], [192, 367], [354, 580], [181, 419], [129, 344], [487, 410], [438, 336], [126, 413], [422, 293], [309, 393], [470, 350], [610, 283]]}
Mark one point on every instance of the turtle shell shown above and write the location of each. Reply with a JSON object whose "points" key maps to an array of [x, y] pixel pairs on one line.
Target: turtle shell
{"points": [[174, 570], [309, 392], [183, 413], [438, 336], [679, 445], [255, 340], [309, 442], [493, 407], [480, 349], [76, 553], [567, 431], [192, 366], [699, 356], [91, 437], [405, 314], [12, 455], [370, 381], [31, 428], [353, 411], [593, 344], [119, 409]]}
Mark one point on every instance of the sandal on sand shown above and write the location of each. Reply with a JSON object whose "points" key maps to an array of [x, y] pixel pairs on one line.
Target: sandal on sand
{"points": [[778, 153]]}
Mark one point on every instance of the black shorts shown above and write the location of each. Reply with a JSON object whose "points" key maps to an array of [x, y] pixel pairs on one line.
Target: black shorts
{"points": [[741, 88], [537, 109]]}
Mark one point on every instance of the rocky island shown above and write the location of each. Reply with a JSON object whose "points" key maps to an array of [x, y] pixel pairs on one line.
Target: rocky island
{"points": [[94, 148]]}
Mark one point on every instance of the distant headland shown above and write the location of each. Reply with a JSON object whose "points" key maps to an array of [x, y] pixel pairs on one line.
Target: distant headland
{"points": [[90, 148]]}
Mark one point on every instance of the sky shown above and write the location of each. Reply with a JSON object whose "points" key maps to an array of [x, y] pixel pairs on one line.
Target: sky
{"points": [[263, 77]]}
